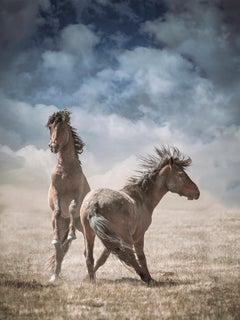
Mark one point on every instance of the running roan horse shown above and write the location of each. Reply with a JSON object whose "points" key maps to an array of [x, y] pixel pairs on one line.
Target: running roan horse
{"points": [[121, 218], [68, 185]]}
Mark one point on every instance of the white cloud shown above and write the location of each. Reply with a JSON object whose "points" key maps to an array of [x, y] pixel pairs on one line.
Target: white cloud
{"points": [[78, 39], [26, 167], [112, 144], [218, 164], [198, 31], [153, 69], [60, 61], [116, 177], [10, 137], [63, 70], [159, 85], [111, 138]]}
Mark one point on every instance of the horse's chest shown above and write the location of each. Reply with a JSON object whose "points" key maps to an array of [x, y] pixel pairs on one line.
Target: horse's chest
{"points": [[63, 180], [143, 221]]}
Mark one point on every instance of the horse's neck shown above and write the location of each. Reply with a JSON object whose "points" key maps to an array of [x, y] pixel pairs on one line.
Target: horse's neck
{"points": [[157, 197], [154, 196], [67, 157], [150, 198]]}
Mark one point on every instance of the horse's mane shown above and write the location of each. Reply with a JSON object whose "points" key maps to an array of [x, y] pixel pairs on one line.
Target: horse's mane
{"points": [[141, 183], [64, 116]]}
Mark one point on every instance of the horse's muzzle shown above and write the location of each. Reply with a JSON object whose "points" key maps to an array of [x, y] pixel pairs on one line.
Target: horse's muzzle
{"points": [[194, 196], [54, 147]]}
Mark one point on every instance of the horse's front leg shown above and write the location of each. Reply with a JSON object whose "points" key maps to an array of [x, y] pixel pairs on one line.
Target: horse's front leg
{"points": [[57, 262], [61, 248], [72, 213]]}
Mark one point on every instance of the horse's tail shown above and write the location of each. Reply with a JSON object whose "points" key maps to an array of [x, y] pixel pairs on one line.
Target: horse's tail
{"points": [[114, 243]]}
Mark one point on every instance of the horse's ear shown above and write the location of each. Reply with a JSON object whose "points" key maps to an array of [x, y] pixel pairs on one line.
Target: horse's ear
{"points": [[66, 114], [51, 120], [170, 161]]}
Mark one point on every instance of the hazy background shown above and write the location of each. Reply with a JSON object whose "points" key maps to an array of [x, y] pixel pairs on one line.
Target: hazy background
{"points": [[135, 74]]}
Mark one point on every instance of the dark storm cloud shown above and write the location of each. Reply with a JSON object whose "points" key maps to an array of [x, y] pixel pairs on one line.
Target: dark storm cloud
{"points": [[202, 33], [134, 73], [18, 22]]}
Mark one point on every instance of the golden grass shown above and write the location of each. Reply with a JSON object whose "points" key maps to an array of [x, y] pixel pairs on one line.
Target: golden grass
{"points": [[194, 255]]}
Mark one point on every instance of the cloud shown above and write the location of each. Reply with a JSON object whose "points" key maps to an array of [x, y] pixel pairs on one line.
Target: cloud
{"points": [[172, 80], [199, 32], [18, 22], [52, 76], [60, 61], [78, 39], [115, 177], [217, 165], [111, 138], [159, 85], [22, 124], [112, 144], [27, 167]]}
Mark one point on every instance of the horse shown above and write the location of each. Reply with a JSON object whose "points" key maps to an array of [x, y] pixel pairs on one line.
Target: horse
{"points": [[121, 218], [68, 185]]}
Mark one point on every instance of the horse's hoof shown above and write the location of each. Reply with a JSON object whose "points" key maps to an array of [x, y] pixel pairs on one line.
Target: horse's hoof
{"points": [[87, 278], [71, 237], [55, 242], [53, 278], [152, 283]]}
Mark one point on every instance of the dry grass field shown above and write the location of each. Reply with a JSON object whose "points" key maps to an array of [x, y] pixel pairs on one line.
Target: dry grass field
{"points": [[192, 250]]}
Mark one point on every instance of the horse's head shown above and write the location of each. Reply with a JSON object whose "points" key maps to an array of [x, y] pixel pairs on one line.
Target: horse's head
{"points": [[177, 181], [58, 124]]}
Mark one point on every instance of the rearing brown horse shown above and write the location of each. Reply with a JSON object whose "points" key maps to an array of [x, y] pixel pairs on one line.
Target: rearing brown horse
{"points": [[68, 185], [121, 218]]}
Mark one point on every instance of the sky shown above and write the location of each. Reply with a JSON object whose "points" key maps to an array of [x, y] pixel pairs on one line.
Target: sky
{"points": [[135, 75]]}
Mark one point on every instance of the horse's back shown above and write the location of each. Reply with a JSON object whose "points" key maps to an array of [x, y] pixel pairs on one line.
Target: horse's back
{"points": [[107, 200]]}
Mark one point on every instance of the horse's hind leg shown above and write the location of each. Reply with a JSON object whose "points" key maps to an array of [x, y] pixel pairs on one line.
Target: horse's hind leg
{"points": [[142, 260], [102, 259], [89, 237], [72, 212], [127, 256]]}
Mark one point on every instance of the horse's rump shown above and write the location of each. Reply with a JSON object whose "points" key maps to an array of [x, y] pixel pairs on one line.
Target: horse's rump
{"points": [[102, 227]]}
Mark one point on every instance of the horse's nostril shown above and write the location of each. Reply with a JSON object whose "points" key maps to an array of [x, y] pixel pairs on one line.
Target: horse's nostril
{"points": [[197, 195]]}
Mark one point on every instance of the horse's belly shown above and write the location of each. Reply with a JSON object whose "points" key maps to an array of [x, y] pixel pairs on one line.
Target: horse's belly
{"points": [[64, 207], [65, 202]]}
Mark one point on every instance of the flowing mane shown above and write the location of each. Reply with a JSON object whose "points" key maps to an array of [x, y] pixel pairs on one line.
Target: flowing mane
{"points": [[151, 165], [64, 116]]}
